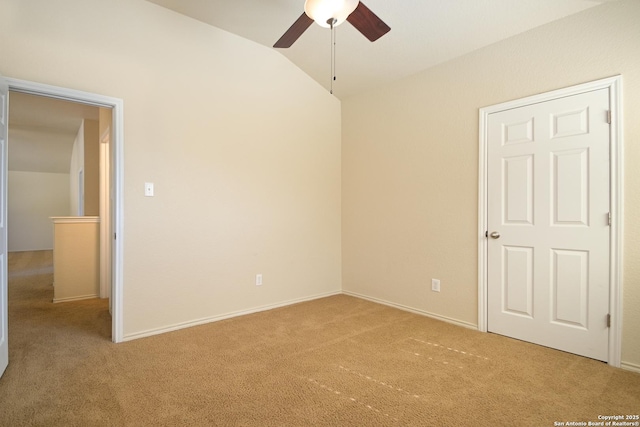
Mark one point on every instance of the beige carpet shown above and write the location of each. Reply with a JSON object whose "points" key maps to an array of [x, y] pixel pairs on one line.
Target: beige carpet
{"points": [[338, 361]]}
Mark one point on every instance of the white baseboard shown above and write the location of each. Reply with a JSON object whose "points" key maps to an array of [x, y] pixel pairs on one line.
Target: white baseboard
{"points": [[628, 366], [204, 321], [79, 298], [414, 310]]}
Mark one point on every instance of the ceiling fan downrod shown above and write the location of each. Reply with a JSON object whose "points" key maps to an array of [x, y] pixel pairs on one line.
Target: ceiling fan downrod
{"points": [[332, 22]]}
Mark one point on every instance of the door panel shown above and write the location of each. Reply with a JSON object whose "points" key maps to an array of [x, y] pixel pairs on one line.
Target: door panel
{"points": [[570, 287], [517, 280], [570, 187], [548, 204], [518, 190]]}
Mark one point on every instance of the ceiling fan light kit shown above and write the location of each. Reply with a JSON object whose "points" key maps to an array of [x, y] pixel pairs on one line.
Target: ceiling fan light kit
{"points": [[328, 13]]}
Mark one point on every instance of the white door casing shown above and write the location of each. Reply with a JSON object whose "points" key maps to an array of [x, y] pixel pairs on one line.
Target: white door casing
{"points": [[548, 197], [4, 132], [116, 177], [553, 274]]}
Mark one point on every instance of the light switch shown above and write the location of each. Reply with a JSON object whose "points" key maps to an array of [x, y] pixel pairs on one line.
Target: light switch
{"points": [[148, 189]]}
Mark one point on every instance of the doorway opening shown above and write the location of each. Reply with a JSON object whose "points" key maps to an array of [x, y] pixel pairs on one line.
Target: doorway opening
{"points": [[108, 204]]}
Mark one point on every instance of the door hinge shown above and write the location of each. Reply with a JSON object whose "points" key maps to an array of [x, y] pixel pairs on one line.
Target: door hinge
{"points": [[608, 320], [609, 218], [486, 233], [114, 236], [609, 116]]}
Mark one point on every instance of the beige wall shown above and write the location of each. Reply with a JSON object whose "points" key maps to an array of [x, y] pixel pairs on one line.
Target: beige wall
{"points": [[76, 258], [243, 148], [410, 162], [33, 197], [91, 168], [76, 174], [104, 121]]}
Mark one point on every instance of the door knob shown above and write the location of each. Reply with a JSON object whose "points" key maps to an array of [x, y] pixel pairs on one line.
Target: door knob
{"points": [[495, 235]]}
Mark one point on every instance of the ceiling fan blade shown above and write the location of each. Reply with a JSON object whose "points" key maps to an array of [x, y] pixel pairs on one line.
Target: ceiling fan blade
{"points": [[368, 23], [294, 32]]}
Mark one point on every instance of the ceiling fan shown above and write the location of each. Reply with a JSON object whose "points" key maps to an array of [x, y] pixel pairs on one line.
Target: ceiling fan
{"points": [[329, 13]]}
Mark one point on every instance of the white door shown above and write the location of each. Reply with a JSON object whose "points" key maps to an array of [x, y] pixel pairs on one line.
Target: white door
{"points": [[4, 127], [548, 223]]}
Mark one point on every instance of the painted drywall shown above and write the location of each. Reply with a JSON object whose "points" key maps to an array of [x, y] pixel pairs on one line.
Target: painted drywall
{"points": [[34, 197], [104, 123], [85, 166], [91, 168], [410, 162], [76, 260], [242, 146], [76, 175]]}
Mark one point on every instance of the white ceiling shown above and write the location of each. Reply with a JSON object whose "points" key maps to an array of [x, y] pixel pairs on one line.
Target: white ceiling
{"points": [[423, 33]]}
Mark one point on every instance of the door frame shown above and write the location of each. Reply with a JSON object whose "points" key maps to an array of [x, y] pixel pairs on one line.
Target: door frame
{"points": [[614, 85], [105, 215], [117, 179]]}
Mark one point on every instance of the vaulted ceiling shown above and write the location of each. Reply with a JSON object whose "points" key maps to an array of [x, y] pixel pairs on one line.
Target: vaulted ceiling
{"points": [[423, 33]]}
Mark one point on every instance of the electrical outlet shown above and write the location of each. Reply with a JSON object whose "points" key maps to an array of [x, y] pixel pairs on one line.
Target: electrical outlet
{"points": [[258, 279], [435, 285]]}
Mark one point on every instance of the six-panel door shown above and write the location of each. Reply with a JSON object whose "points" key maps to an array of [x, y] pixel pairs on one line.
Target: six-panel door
{"points": [[548, 199]]}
